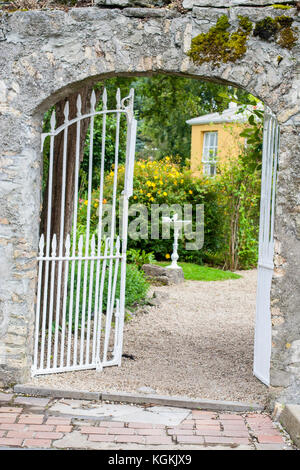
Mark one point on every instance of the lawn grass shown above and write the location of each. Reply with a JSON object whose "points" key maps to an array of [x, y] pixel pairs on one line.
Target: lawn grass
{"points": [[194, 272]]}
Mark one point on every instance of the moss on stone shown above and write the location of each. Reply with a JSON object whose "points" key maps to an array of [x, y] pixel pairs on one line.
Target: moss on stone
{"points": [[284, 21], [279, 29], [245, 23], [279, 59], [279, 6], [287, 38], [265, 28], [219, 45]]}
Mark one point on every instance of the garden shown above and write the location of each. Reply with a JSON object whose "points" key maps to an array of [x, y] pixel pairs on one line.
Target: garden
{"points": [[162, 176], [209, 318]]}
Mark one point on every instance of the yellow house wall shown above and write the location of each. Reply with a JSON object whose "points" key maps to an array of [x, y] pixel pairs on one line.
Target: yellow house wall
{"points": [[229, 143]]}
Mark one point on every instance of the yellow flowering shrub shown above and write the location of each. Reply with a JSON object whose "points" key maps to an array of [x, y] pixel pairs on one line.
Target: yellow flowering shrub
{"points": [[165, 182]]}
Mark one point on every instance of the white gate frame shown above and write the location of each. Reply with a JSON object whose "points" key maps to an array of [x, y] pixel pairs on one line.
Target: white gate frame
{"points": [[263, 326], [83, 349]]}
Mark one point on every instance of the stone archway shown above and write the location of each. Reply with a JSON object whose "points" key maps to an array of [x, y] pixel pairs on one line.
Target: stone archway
{"points": [[46, 55]]}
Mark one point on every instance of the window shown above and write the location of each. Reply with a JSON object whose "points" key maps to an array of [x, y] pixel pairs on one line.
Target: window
{"points": [[209, 156]]}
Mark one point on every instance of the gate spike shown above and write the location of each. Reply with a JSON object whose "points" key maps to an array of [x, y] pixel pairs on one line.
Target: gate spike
{"points": [[54, 245], [53, 121], [104, 98], [131, 95], [66, 111], [78, 104], [80, 245], [118, 245], [107, 240], [93, 101], [41, 245], [118, 98], [68, 245]]}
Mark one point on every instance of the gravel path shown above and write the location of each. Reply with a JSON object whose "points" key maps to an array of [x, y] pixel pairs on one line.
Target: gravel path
{"points": [[198, 343]]}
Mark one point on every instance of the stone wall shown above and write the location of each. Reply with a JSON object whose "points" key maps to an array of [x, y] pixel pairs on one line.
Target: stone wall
{"points": [[45, 55]]}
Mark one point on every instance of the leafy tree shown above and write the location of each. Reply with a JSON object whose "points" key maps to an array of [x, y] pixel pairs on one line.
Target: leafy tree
{"points": [[166, 102], [239, 183]]}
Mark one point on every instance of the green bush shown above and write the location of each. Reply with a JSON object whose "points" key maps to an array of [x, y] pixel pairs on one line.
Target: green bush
{"points": [[239, 196], [165, 182], [239, 186], [231, 206], [139, 257], [136, 285], [136, 288]]}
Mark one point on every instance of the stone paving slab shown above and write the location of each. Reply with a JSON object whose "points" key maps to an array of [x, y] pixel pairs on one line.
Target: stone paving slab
{"points": [[115, 412], [81, 424], [6, 397], [32, 401]]}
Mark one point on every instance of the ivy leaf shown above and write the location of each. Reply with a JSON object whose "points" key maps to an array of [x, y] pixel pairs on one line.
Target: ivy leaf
{"points": [[246, 133], [251, 120]]}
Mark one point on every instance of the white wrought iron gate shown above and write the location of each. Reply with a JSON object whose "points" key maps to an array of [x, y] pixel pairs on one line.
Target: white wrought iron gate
{"points": [[81, 279], [263, 328]]}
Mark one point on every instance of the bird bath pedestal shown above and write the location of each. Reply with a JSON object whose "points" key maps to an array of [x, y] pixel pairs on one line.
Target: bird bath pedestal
{"points": [[177, 227]]}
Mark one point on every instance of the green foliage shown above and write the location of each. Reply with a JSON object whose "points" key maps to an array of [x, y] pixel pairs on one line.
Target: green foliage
{"points": [[254, 135], [165, 182], [279, 29], [136, 287], [164, 103], [111, 85], [162, 106], [239, 197], [160, 99], [239, 183], [139, 257], [220, 45], [109, 148], [194, 272]]}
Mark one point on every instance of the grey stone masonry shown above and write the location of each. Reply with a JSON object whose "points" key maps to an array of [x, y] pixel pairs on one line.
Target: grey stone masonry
{"points": [[189, 4], [45, 55], [290, 420]]}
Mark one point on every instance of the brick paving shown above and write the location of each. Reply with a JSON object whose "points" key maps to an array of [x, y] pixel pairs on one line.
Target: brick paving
{"points": [[26, 423]]}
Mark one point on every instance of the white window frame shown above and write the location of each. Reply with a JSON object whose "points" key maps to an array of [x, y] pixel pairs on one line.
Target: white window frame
{"points": [[209, 153]]}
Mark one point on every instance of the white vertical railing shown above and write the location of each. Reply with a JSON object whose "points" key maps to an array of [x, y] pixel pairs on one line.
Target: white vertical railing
{"points": [[263, 328], [78, 273]]}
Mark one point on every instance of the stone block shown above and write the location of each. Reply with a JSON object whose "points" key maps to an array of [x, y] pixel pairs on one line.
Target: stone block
{"points": [[180, 402], [55, 393], [279, 378], [161, 275], [126, 3], [290, 420]]}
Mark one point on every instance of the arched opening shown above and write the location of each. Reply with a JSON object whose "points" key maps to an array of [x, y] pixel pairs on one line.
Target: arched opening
{"points": [[60, 277]]}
